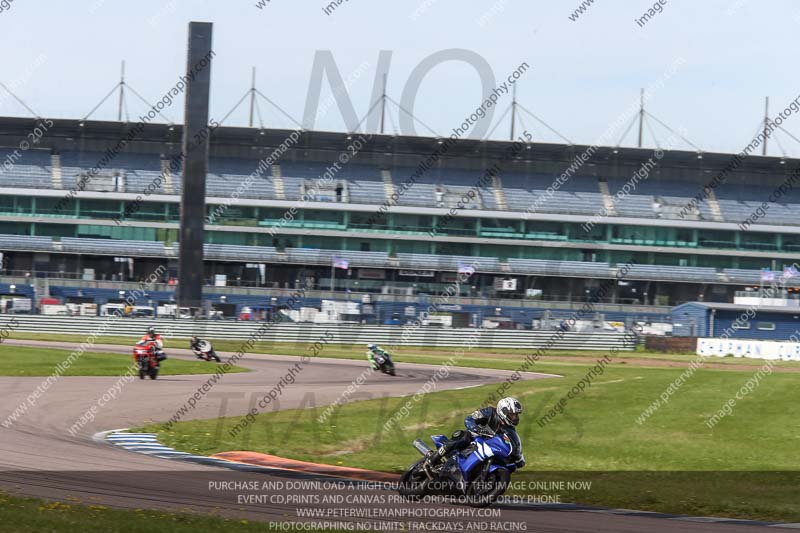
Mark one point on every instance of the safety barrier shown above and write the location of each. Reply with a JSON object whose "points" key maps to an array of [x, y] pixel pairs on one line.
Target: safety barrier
{"points": [[306, 333]]}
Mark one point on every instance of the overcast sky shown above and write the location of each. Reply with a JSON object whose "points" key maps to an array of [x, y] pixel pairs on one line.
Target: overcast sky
{"points": [[63, 57]]}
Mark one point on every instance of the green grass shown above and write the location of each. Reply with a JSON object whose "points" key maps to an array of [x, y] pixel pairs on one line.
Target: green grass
{"points": [[27, 515], [481, 358], [745, 467], [671, 463], [26, 361]]}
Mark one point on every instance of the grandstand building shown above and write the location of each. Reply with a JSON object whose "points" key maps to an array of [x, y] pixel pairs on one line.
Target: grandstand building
{"points": [[283, 210]]}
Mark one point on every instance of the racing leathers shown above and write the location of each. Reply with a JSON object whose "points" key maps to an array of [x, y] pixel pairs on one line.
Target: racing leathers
{"points": [[155, 341], [482, 422], [195, 344], [371, 357], [203, 349]]}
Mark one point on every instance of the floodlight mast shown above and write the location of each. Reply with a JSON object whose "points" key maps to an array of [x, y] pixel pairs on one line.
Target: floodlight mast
{"points": [[252, 96], [641, 116], [121, 91], [513, 112], [766, 125], [383, 103]]}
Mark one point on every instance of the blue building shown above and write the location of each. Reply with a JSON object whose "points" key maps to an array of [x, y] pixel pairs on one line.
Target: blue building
{"points": [[709, 319]]}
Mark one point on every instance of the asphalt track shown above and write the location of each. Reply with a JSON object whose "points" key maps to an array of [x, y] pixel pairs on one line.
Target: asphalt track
{"points": [[39, 458]]}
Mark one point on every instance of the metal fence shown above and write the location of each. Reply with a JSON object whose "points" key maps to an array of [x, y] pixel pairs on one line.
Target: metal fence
{"points": [[305, 333], [567, 304]]}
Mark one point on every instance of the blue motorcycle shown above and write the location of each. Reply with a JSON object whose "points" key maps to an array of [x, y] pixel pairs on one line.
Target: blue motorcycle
{"points": [[479, 474]]}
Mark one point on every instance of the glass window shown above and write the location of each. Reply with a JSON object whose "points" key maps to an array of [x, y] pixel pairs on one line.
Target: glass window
{"points": [[116, 232], [716, 239], [47, 206], [403, 222], [55, 230], [15, 228], [319, 216], [594, 232], [765, 326], [97, 208], [684, 236], [147, 211], [421, 246], [7, 204], [365, 220], [173, 212], [272, 213], [227, 237], [24, 204], [758, 241], [452, 248], [791, 242]]}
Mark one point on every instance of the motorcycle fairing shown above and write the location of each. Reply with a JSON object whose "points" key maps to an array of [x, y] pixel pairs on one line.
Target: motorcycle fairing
{"points": [[498, 447], [439, 440]]}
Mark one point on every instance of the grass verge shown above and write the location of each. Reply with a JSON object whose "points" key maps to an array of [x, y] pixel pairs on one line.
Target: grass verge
{"points": [[26, 361], [28, 515], [480, 357], [745, 467]]}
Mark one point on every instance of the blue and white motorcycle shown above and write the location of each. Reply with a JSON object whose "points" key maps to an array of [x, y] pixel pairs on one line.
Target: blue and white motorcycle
{"points": [[479, 474]]}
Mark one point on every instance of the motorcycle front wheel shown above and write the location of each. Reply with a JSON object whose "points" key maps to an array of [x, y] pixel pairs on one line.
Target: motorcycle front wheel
{"points": [[413, 484], [483, 493]]}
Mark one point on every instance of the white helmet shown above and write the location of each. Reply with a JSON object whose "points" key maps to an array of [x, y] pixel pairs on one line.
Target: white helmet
{"points": [[371, 346], [508, 409]]}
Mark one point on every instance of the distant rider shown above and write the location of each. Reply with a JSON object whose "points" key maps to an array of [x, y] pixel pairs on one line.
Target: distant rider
{"points": [[485, 422], [203, 349], [372, 351]]}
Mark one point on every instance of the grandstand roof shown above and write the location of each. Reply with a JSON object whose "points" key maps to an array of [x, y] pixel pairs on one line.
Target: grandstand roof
{"points": [[236, 141]]}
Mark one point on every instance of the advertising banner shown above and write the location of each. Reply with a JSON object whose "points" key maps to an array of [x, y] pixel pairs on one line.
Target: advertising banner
{"points": [[751, 349]]}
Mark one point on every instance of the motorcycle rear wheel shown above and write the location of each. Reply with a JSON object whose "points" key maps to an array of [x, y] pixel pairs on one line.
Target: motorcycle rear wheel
{"points": [[485, 493], [413, 484]]}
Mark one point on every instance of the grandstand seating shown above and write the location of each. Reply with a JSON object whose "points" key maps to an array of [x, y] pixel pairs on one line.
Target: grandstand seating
{"points": [[581, 195], [447, 262], [243, 253], [544, 267], [312, 256], [26, 243], [738, 275], [31, 169], [366, 192], [670, 273], [112, 247]]}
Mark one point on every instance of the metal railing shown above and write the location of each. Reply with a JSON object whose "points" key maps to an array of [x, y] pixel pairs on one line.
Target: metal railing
{"points": [[308, 333]]}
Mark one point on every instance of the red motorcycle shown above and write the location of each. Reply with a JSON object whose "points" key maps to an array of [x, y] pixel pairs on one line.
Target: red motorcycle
{"points": [[146, 357]]}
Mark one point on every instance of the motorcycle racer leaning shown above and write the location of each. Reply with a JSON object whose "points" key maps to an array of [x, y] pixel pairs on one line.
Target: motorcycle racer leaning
{"points": [[485, 422], [203, 349], [372, 350]]}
